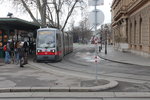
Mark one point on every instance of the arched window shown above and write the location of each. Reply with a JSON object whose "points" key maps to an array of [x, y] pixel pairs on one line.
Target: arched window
{"points": [[140, 31], [130, 33], [134, 32]]}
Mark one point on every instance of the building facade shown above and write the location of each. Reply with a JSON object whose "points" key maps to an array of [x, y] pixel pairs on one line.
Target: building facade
{"points": [[131, 25]]}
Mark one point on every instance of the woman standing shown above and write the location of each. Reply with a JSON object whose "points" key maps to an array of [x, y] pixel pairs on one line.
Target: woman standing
{"points": [[21, 54], [16, 52], [7, 53]]}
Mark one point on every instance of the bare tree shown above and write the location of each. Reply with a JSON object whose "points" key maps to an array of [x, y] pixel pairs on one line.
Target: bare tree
{"points": [[81, 33], [102, 32], [56, 12]]}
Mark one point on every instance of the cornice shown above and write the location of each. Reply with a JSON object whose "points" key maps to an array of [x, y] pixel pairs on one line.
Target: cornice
{"points": [[126, 10], [135, 6], [115, 3], [121, 12]]}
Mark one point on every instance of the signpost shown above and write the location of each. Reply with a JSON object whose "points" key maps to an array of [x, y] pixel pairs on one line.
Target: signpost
{"points": [[96, 18]]}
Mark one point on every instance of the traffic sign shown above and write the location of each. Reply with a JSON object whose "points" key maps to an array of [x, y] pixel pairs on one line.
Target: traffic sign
{"points": [[95, 2], [99, 18]]}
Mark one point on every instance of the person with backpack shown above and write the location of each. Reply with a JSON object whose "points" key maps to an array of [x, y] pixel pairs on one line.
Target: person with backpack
{"points": [[7, 53]]}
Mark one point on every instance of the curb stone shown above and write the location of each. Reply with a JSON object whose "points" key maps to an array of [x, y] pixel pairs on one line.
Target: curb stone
{"points": [[59, 89], [96, 95], [110, 85], [40, 89], [20, 89], [116, 61]]}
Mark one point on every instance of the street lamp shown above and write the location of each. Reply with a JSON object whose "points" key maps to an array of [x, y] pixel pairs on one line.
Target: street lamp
{"points": [[101, 39], [106, 30], [9, 14]]}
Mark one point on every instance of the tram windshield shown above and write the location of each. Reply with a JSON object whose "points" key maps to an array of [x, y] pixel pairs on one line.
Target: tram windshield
{"points": [[46, 39]]}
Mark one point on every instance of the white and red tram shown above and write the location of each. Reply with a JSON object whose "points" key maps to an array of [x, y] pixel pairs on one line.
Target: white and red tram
{"points": [[52, 44]]}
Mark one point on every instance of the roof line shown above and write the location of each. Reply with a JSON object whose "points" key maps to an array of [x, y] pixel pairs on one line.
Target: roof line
{"points": [[18, 19]]}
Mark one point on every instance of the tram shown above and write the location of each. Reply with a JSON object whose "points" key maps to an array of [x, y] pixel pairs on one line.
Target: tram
{"points": [[52, 44]]}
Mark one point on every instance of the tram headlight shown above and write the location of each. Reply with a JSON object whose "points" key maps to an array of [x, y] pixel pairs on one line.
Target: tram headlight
{"points": [[38, 50], [53, 50]]}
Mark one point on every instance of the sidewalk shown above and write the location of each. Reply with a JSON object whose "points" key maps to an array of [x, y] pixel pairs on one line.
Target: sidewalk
{"points": [[36, 78], [1, 61], [75, 96], [124, 57]]}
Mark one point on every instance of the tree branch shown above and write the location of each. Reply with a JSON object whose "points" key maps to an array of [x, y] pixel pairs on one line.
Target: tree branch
{"points": [[50, 17], [39, 6], [57, 13], [30, 13], [69, 14]]}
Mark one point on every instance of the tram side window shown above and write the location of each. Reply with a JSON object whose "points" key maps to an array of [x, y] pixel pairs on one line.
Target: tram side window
{"points": [[58, 40]]}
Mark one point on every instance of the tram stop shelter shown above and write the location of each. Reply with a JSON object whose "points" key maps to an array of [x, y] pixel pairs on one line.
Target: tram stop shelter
{"points": [[16, 29]]}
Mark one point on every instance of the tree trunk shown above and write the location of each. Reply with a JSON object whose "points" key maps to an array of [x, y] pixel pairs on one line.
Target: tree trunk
{"points": [[43, 13]]}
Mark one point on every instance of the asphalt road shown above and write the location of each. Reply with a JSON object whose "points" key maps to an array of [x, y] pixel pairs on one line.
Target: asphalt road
{"points": [[82, 63], [76, 67]]}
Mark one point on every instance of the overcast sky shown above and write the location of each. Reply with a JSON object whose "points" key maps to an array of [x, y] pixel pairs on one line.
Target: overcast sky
{"points": [[7, 7]]}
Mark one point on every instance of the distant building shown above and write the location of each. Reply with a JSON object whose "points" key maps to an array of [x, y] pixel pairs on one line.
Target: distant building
{"points": [[131, 25]]}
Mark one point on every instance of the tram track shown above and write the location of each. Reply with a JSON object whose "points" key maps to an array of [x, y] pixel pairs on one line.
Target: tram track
{"points": [[92, 73], [61, 66], [67, 59]]}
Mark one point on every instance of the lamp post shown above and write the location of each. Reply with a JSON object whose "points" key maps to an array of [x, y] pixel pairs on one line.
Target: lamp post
{"points": [[101, 36], [9, 14], [106, 30]]}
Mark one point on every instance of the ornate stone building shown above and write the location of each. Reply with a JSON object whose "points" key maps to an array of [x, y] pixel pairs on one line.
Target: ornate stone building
{"points": [[131, 25]]}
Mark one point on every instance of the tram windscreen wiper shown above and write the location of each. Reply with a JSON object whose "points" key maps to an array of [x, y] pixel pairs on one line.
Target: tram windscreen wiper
{"points": [[51, 44]]}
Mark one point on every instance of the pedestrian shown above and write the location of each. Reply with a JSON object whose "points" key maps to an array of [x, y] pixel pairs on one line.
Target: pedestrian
{"points": [[31, 46], [100, 48], [21, 53], [12, 53], [16, 52], [26, 49], [6, 48]]}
